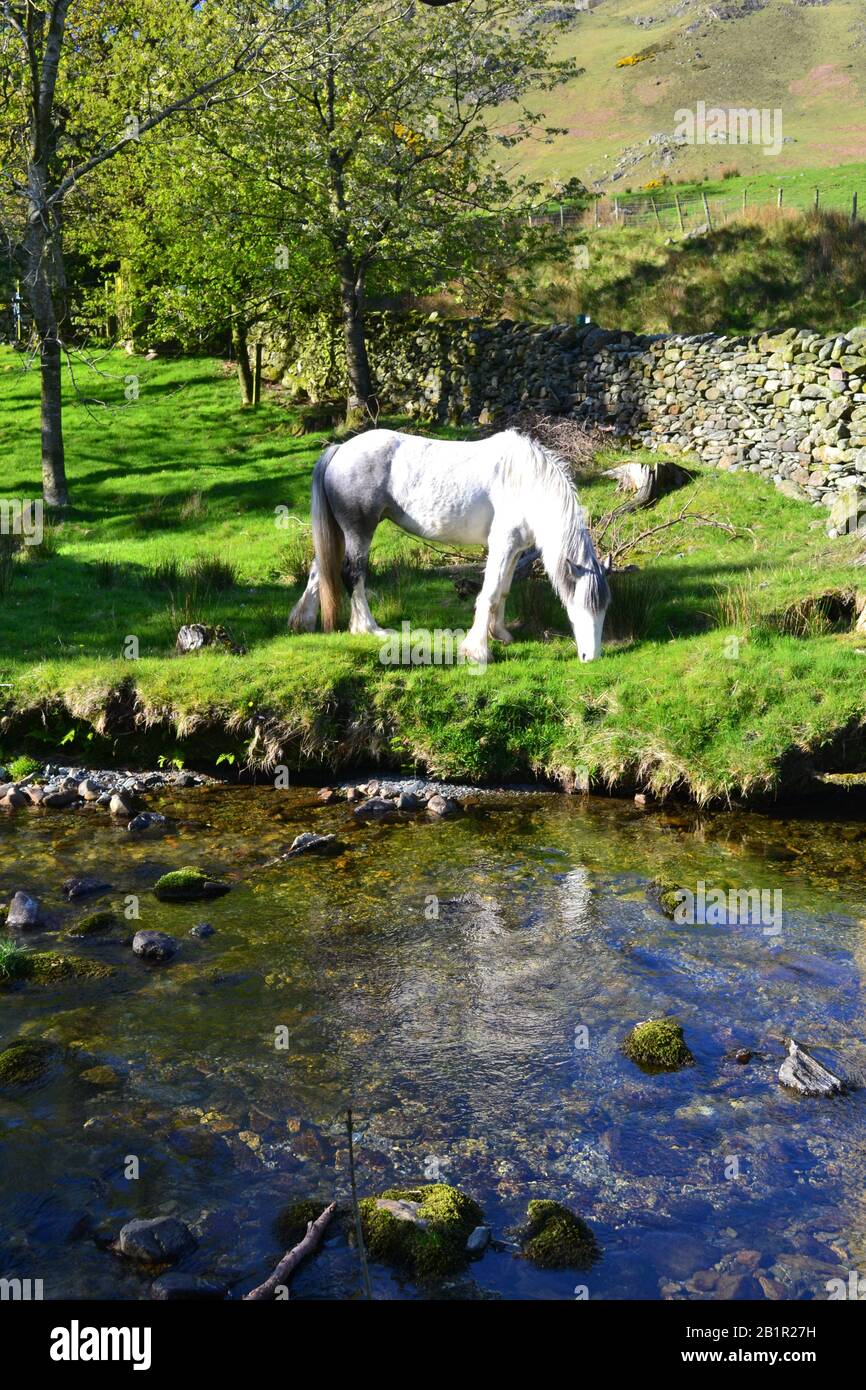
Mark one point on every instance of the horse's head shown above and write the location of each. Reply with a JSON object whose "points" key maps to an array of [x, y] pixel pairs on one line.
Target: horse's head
{"points": [[586, 606]]}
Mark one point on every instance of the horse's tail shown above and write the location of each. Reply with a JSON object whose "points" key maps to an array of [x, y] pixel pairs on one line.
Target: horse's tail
{"points": [[329, 543]]}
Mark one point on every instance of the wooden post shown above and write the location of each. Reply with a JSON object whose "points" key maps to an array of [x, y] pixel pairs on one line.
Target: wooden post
{"points": [[744, 199], [707, 212], [656, 211], [257, 376], [597, 214], [817, 198], [616, 211], [680, 212], [854, 208], [561, 216], [779, 200]]}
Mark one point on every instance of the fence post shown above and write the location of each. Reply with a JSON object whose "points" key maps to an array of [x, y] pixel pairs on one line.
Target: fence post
{"points": [[616, 211], [561, 217], [779, 200], [597, 216], [680, 212], [744, 198], [854, 207], [257, 375], [707, 212], [817, 198], [656, 211]]}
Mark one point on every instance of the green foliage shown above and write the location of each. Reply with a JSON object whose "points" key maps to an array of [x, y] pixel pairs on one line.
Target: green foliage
{"points": [[22, 767], [555, 1238], [437, 1249], [14, 961], [658, 1045]]}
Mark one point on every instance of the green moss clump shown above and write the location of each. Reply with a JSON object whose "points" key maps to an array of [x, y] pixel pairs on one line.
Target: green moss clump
{"points": [[555, 1238], [429, 1250], [187, 884], [658, 1045], [95, 924], [25, 1061], [292, 1222], [50, 967], [14, 962]]}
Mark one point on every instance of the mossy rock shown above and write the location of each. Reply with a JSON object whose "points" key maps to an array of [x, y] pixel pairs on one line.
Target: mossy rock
{"points": [[555, 1238], [666, 896], [188, 884], [50, 967], [292, 1222], [658, 1045], [429, 1239], [26, 1061], [95, 924]]}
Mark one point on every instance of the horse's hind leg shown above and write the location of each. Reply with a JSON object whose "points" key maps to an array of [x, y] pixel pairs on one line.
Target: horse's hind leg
{"points": [[354, 578], [303, 616], [498, 631]]}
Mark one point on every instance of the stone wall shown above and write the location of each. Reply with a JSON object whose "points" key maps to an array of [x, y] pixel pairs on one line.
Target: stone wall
{"points": [[788, 405]]}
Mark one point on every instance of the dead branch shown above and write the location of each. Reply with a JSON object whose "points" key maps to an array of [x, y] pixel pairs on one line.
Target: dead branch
{"points": [[684, 515], [293, 1257]]}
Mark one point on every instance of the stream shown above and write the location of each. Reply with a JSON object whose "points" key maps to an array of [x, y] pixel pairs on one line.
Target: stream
{"points": [[465, 986]]}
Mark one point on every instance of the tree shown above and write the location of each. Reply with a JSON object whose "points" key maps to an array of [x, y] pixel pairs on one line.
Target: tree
{"points": [[381, 140], [80, 82]]}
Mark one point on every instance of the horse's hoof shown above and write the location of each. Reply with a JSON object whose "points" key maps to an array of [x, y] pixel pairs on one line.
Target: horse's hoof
{"points": [[505, 637], [474, 652]]}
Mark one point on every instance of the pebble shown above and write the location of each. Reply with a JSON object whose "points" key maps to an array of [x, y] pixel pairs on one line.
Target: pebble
{"points": [[202, 930], [147, 820]]}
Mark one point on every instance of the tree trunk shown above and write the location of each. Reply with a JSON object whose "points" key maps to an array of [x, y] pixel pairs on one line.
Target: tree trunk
{"points": [[46, 292], [361, 404], [242, 353]]}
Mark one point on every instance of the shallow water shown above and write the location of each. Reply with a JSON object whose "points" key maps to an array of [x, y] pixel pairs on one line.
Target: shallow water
{"points": [[465, 986]]}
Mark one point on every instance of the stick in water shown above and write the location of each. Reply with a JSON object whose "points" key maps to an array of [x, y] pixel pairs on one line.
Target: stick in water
{"points": [[292, 1258]]}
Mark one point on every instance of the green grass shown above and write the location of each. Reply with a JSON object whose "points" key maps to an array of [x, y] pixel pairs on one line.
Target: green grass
{"points": [[698, 691], [809, 270]]}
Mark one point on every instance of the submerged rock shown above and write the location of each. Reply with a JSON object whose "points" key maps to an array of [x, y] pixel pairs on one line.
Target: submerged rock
{"points": [[187, 884], [95, 924], [658, 1045], [377, 808], [555, 1238], [26, 1061], [802, 1072], [83, 887], [310, 843], [478, 1240], [159, 1241], [50, 968], [441, 806], [201, 930], [147, 820], [421, 1230], [174, 1287], [154, 945]]}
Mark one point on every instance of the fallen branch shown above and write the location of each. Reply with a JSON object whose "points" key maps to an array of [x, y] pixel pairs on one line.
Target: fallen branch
{"points": [[696, 518], [293, 1257]]}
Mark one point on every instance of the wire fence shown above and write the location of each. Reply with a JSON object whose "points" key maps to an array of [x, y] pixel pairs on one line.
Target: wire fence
{"points": [[674, 212]]}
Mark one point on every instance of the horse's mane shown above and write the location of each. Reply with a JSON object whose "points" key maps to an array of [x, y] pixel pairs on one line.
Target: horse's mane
{"points": [[566, 535]]}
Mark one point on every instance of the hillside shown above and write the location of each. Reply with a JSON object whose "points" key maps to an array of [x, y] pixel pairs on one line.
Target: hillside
{"points": [[806, 59]]}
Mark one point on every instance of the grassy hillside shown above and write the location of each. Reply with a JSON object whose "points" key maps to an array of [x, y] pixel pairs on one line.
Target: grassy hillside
{"points": [[808, 270], [808, 60], [174, 520]]}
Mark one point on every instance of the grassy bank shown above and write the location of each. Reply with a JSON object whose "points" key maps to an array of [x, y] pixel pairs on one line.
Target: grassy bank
{"points": [[755, 273], [174, 521]]}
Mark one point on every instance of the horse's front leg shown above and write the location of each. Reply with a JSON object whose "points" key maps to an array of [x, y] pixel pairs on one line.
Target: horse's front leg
{"points": [[498, 631], [501, 555]]}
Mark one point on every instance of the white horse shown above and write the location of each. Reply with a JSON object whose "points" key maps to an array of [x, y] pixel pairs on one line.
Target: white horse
{"points": [[505, 492]]}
